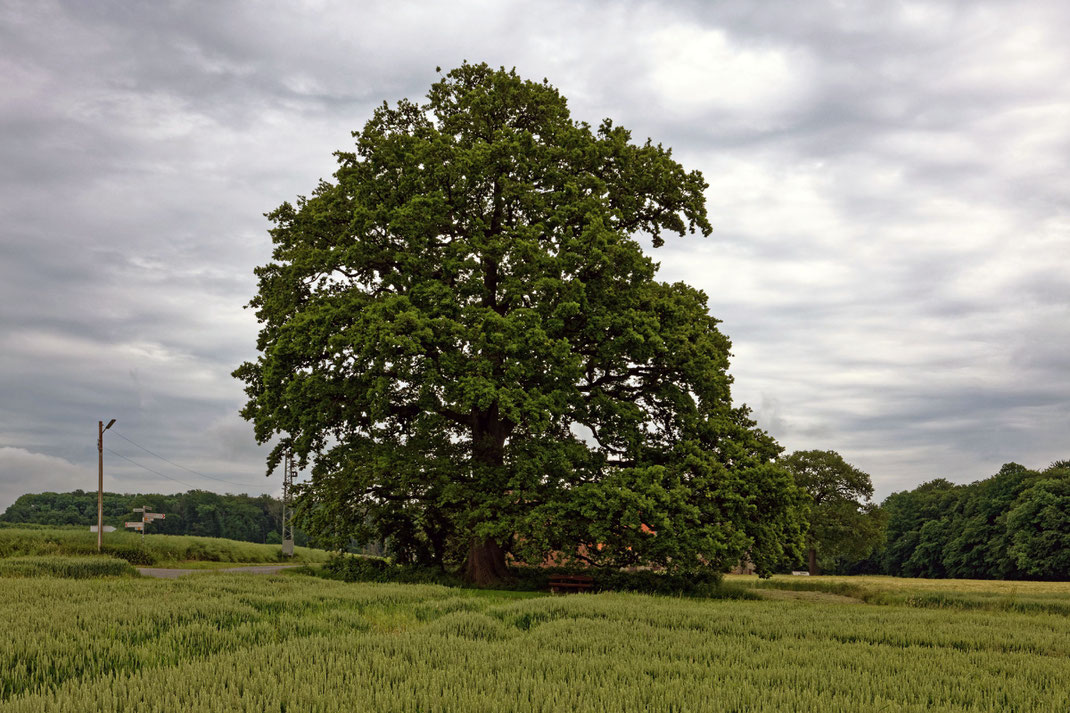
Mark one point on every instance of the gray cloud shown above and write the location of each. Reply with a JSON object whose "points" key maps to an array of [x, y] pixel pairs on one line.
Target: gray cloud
{"points": [[888, 189]]}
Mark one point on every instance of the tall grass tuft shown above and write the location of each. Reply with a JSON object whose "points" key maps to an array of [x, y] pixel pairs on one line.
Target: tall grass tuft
{"points": [[67, 567]]}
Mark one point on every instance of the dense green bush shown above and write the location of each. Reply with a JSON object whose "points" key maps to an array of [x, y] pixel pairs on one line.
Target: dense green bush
{"points": [[359, 568], [363, 568], [705, 583], [132, 554]]}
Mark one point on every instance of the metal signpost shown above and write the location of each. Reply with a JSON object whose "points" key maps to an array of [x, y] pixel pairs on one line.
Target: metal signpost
{"points": [[146, 518]]}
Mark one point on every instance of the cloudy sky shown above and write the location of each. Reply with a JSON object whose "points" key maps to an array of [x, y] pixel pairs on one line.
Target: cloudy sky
{"points": [[888, 186]]}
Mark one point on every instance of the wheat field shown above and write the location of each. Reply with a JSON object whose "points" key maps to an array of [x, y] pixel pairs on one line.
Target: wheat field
{"points": [[217, 642]]}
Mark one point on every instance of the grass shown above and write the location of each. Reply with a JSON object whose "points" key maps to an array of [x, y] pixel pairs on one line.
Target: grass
{"points": [[995, 595], [242, 643], [71, 567], [153, 550], [212, 566], [37, 526]]}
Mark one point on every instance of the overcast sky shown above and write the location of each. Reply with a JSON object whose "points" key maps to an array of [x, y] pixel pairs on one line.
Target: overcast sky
{"points": [[889, 189]]}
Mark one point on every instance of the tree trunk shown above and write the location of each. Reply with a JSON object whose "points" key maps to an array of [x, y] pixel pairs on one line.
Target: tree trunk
{"points": [[485, 564], [813, 561]]}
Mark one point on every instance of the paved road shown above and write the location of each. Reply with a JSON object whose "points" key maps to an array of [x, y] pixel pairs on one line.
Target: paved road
{"points": [[162, 573]]}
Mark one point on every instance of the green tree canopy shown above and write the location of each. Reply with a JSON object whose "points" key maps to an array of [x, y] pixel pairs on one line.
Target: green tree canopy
{"points": [[908, 512], [841, 524], [1038, 526], [978, 542], [1012, 525], [463, 338]]}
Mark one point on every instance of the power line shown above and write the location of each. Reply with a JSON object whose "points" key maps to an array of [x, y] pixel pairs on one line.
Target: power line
{"points": [[188, 470], [109, 450]]}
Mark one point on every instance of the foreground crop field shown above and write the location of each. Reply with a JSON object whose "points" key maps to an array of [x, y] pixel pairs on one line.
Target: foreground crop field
{"points": [[241, 643]]}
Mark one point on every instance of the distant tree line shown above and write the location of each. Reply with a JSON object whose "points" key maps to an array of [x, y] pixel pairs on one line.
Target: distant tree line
{"points": [[1012, 525], [197, 512]]}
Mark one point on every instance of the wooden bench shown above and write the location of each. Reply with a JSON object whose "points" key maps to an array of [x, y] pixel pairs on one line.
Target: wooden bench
{"points": [[564, 583]]}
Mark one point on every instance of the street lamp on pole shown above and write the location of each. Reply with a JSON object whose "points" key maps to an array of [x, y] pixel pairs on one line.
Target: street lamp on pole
{"points": [[100, 481]]}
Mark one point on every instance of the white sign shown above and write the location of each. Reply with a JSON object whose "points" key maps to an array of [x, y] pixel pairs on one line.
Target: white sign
{"points": [[136, 525], [801, 574], [150, 516], [107, 528]]}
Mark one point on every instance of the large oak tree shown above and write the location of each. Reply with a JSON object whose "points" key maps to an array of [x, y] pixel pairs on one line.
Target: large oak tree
{"points": [[464, 340]]}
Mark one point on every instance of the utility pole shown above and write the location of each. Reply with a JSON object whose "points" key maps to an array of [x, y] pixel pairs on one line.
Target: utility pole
{"points": [[289, 469], [101, 428]]}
